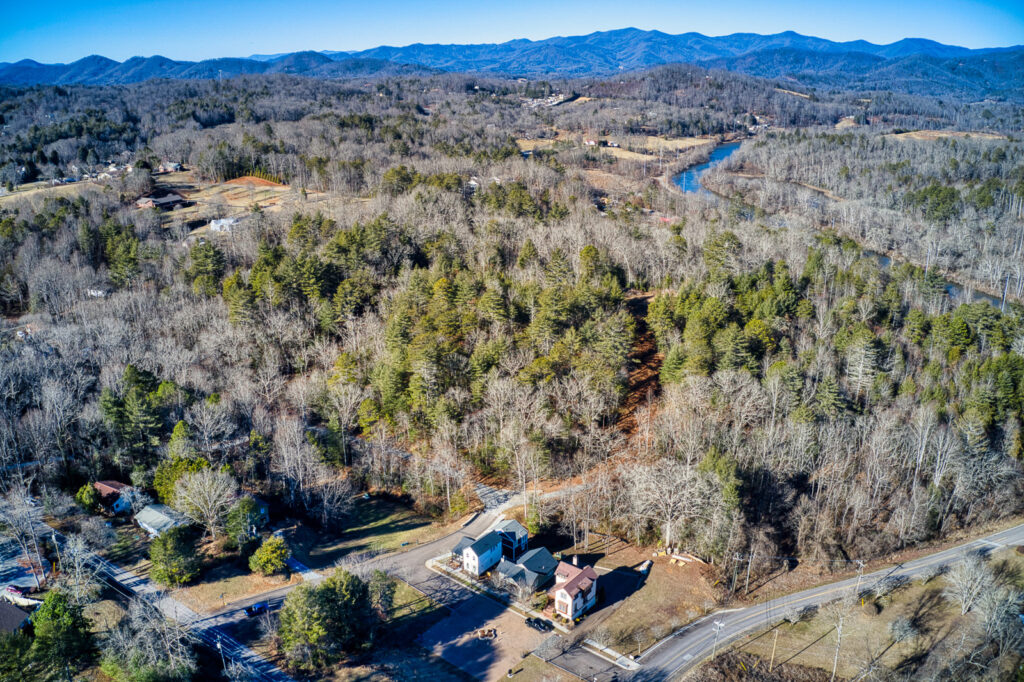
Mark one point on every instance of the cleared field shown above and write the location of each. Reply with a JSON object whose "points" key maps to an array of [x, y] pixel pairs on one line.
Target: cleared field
{"points": [[228, 583], [941, 134], [670, 597], [232, 198], [655, 144], [866, 636], [846, 122], [41, 190], [793, 92], [376, 525]]}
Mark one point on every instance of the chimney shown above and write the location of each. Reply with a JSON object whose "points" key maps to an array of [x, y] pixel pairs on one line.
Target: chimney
{"points": [[575, 559]]}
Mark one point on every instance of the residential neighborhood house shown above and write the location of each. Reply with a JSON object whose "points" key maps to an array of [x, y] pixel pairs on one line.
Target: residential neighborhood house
{"points": [[169, 201], [514, 538], [112, 496], [12, 618], [575, 590], [533, 570], [479, 556], [156, 519]]}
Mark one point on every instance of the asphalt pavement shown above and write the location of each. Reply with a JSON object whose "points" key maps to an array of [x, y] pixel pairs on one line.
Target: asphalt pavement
{"points": [[689, 646]]}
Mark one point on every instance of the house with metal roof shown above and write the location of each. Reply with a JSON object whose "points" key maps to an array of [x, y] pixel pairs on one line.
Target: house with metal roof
{"points": [[482, 555], [533, 570], [514, 538], [156, 519], [112, 496]]}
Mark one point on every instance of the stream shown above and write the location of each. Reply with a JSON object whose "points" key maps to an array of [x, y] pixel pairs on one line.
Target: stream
{"points": [[689, 181]]}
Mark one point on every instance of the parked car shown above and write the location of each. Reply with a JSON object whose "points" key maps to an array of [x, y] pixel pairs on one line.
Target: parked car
{"points": [[256, 609], [540, 625]]}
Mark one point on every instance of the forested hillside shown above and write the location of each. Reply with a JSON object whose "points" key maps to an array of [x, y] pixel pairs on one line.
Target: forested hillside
{"points": [[425, 305]]}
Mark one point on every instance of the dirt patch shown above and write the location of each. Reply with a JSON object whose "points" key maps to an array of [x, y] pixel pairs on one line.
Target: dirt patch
{"points": [[668, 598], [846, 122], [940, 134], [793, 92], [253, 180], [645, 361], [611, 183], [455, 639]]}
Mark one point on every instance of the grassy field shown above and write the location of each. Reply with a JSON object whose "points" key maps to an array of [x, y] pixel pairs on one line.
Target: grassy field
{"points": [[865, 637], [941, 134], [227, 583], [670, 597], [376, 525]]}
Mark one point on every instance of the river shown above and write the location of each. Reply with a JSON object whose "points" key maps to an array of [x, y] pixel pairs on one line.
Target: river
{"points": [[689, 181]]}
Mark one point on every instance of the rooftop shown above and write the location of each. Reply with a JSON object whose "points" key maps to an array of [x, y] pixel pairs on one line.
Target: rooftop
{"points": [[485, 543]]}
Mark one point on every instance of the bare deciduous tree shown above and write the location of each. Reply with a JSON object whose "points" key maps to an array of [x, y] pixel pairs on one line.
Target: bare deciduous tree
{"points": [[205, 497]]}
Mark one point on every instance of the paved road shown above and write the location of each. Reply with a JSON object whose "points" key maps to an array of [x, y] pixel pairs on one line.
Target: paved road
{"points": [[205, 630], [409, 565], [686, 648]]}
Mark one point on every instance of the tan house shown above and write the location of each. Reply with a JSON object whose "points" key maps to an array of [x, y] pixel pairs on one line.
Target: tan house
{"points": [[574, 591]]}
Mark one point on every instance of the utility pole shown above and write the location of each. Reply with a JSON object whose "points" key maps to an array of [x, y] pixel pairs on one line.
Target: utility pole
{"points": [[718, 628], [771, 663], [860, 573], [746, 587]]}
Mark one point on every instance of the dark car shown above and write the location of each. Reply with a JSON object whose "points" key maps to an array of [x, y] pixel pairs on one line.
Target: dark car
{"points": [[256, 609], [540, 625]]}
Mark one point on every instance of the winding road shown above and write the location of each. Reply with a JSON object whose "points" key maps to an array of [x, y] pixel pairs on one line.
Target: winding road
{"points": [[688, 647]]}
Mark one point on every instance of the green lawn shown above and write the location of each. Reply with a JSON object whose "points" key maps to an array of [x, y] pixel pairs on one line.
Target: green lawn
{"points": [[375, 525]]}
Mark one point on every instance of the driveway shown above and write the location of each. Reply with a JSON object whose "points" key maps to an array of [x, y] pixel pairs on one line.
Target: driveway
{"points": [[455, 638], [13, 567]]}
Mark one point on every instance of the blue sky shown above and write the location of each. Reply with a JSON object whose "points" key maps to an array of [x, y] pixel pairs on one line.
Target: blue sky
{"points": [[62, 31]]}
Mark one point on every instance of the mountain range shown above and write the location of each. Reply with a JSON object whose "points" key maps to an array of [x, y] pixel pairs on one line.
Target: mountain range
{"points": [[911, 65]]}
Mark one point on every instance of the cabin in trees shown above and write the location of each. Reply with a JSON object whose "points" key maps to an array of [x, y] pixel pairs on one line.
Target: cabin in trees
{"points": [[156, 519], [574, 591], [112, 496], [514, 538]]}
